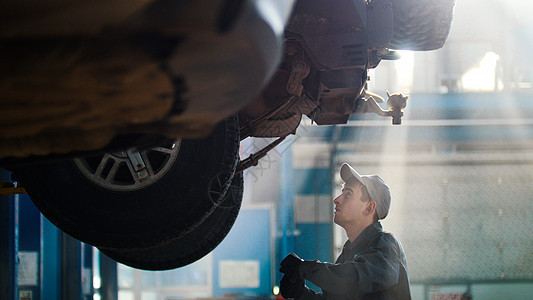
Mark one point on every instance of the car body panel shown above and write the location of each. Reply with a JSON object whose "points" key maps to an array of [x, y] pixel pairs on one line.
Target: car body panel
{"points": [[171, 68]]}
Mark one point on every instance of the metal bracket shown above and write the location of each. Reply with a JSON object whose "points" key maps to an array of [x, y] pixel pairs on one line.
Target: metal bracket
{"points": [[9, 188], [300, 69], [254, 158]]}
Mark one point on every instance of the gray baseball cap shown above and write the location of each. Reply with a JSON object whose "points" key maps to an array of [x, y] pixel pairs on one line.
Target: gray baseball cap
{"points": [[377, 189]]}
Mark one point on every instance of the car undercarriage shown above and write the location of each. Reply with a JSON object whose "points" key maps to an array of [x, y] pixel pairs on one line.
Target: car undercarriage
{"points": [[124, 125]]}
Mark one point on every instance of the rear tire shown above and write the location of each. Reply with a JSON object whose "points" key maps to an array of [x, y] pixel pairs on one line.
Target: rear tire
{"points": [[421, 24], [106, 215]]}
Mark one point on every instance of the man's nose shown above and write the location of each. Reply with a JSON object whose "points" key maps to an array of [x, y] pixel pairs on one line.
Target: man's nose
{"points": [[336, 200]]}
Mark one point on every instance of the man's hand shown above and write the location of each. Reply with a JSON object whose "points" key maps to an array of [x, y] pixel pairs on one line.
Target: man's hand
{"points": [[290, 265], [290, 288]]}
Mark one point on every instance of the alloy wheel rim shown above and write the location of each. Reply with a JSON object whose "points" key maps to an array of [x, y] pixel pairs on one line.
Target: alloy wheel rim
{"points": [[131, 169]]}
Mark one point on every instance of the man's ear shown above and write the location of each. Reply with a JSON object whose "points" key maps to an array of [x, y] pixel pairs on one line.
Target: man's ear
{"points": [[371, 207]]}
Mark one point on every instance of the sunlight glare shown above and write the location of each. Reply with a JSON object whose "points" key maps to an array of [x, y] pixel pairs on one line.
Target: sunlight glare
{"points": [[393, 166], [482, 77], [405, 70]]}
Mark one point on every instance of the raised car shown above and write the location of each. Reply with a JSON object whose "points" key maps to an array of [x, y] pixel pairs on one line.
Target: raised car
{"points": [[123, 119]]}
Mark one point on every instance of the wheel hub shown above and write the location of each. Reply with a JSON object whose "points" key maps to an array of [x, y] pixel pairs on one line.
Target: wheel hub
{"points": [[129, 170]]}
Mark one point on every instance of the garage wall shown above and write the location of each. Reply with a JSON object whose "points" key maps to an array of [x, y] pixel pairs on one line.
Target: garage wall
{"points": [[242, 263]]}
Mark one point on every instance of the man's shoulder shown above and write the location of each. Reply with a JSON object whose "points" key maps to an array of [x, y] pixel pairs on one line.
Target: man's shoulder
{"points": [[387, 239], [378, 233], [374, 237]]}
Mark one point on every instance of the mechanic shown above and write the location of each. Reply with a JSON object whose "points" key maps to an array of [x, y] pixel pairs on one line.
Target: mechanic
{"points": [[372, 264]]}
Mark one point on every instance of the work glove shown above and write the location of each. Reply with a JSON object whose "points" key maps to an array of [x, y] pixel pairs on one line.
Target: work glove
{"points": [[290, 265], [290, 288]]}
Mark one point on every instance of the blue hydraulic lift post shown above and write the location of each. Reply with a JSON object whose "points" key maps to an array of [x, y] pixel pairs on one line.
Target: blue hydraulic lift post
{"points": [[109, 278], [87, 272], [51, 252], [29, 254], [71, 268], [287, 198], [8, 288]]}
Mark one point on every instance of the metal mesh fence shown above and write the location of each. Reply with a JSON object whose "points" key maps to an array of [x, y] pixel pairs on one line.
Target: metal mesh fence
{"points": [[464, 220]]}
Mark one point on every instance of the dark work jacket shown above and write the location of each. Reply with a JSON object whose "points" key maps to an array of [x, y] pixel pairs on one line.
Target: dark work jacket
{"points": [[372, 267]]}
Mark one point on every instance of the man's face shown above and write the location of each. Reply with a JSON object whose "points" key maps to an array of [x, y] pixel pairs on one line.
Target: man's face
{"points": [[349, 206]]}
